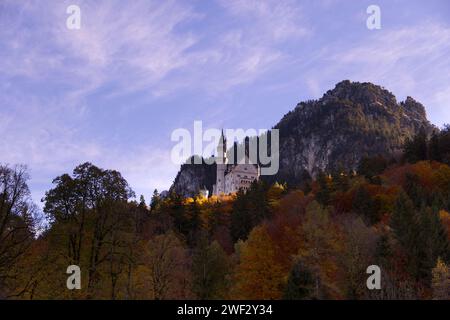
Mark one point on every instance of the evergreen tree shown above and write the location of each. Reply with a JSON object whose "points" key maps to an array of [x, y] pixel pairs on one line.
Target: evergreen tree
{"points": [[370, 167], [434, 236], [258, 202], [241, 223], [365, 206], [191, 225], [323, 195], [383, 252], [300, 284], [209, 269], [155, 201], [414, 190], [434, 148], [341, 180], [249, 209], [416, 149], [142, 203], [444, 144], [406, 230]]}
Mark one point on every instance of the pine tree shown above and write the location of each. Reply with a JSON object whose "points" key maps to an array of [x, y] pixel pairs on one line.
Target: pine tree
{"points": [[191, 223], [365, 206], [323, 195], [300, 284], [434, 148], [241, 223], [414, 190], [371, 167], [416, 149], [406, 230], [155, 201], [209, 270], [383, 252], [142, 203]]}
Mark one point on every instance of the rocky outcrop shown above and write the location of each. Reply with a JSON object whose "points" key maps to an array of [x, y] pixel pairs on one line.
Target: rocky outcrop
{"points": [[193, 177]]}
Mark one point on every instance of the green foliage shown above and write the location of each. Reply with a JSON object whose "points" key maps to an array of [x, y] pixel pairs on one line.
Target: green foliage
{"points": [[210, 268], [155, 201], [323, 195], [249, 209], [423, 147], [422, 236], [370, 168], [365, 206], [415, 149]]}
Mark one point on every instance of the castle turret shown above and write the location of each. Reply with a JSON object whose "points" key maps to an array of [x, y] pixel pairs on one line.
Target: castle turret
{"points": [[222, 149], [221, 162]]}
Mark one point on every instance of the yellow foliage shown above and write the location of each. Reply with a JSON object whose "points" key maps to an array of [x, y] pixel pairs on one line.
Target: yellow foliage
{"points": [[320, 244], [258, 274]]}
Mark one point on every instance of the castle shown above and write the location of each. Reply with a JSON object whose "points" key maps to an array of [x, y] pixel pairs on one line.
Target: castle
{"points": [[232, 177]]}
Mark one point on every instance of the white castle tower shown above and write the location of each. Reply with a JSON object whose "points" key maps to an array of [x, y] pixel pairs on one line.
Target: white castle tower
{"points": [[221, 162]]}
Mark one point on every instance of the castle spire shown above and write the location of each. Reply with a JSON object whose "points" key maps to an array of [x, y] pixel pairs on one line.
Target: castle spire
{"points": [[222, 147]]}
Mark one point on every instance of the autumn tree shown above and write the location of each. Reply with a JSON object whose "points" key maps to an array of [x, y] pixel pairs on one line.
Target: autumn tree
{"points": [[319, 247], [359, 244], [17, 224], [258, 275], [92, 198]]}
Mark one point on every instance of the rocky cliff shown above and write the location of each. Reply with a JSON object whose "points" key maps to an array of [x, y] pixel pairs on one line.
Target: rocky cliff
{"points": [[193, 177]]}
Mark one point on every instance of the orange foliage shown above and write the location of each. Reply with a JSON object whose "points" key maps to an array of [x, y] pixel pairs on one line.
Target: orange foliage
{"points": [[430, 173]]}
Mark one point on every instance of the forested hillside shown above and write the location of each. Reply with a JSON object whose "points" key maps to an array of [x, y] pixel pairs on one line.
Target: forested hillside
{"points": [[276, 241]]}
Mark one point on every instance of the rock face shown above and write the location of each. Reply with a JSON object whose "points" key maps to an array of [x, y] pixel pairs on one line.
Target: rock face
{"points": [[351, 121], [193, 177]]}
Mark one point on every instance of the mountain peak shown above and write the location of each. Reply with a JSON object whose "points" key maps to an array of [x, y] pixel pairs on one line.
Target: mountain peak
{"points": [[364, 93], [414, 107]]}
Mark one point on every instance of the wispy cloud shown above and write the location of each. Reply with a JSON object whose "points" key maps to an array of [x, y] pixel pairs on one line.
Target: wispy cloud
{"points": [[411, 60], [69, 96]]}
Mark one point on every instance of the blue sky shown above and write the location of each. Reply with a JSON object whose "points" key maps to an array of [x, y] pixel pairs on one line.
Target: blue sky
{"points": [[112, 92]]}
